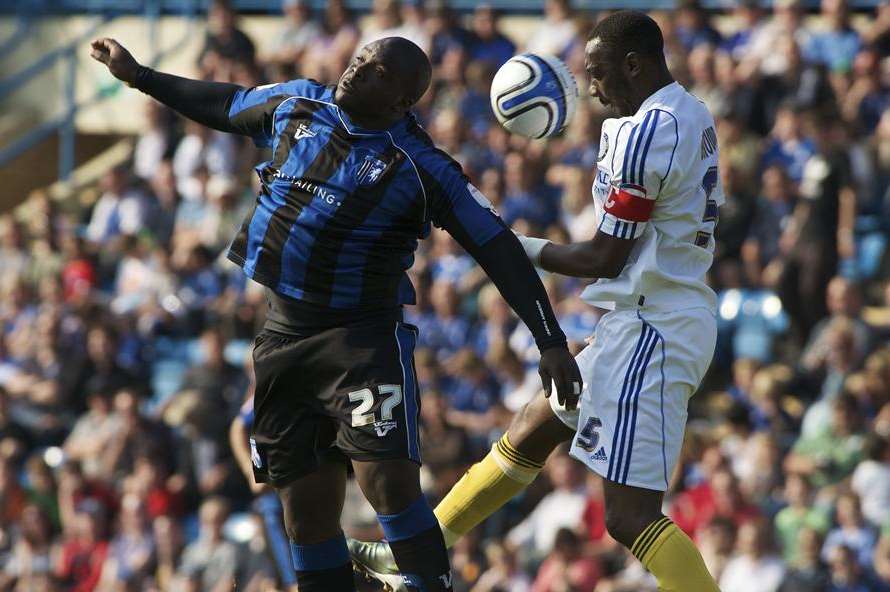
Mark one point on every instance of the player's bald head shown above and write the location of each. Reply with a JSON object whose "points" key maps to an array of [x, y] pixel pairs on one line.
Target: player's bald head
{"points": [[410, 65]]}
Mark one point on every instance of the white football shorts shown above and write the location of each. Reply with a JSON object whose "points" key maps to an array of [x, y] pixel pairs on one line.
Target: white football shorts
{"points": [[640, 369]]}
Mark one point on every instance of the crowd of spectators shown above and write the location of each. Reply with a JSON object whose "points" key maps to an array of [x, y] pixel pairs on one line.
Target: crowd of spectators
{"points": [[126, 335]]}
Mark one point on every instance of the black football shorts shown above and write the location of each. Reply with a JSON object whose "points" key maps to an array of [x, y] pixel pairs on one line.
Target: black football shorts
{"points": [[345, 391]]}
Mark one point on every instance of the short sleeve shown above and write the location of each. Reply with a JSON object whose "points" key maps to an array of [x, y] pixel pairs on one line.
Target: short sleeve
{"points": [[252, 111], [643, 160]]}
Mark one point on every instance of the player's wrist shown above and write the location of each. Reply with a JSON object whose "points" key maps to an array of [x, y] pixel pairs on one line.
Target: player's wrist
{"points": [[139, 77], [552, 343]]}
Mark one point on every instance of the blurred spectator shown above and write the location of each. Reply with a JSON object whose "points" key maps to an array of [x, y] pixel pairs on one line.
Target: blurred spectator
{"points": [[844, 300], [694, 27], [224, 40], [566, 568], [755, 568], [489, 44], [559, 509], [83, 553], [31, 557], [327, 57], [799, 515], [829, 455], [851, 532], [837, 46], [211, 561], [556, 33], [807, 572], [821, 231], [300, 32], [846, 574], [155, 142], [871, 481], [131, 551], [122, 209], [503, 573], [772, 214]]}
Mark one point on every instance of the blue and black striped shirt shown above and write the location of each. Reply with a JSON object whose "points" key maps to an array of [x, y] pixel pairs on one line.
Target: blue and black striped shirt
{"points": [[341, 208], [335, 225]]}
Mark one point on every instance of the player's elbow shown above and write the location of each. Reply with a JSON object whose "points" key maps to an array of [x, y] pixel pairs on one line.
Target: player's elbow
{"points": [[605, 267], [610, 270]]}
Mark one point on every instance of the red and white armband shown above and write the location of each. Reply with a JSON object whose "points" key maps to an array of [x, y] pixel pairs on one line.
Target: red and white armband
{"points": [[627, 210]]}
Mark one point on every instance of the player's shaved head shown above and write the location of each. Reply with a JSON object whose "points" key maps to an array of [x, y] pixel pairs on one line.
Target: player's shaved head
{"points": [[629, 31], [410, 62], [384, 80]]}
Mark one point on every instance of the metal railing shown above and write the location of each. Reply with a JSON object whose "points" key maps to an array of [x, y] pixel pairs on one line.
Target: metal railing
{"points": [[68, 54]]}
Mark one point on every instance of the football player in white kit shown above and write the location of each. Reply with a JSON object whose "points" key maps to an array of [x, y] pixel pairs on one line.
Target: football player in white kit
{"points": [[657, 193]]}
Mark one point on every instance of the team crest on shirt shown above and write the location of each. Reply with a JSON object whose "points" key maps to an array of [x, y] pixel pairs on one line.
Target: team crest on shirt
{"points": [[604, 148], [370, 171]]}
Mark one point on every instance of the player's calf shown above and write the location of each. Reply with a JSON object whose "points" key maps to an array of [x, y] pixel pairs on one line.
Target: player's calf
{"points": [[408, 522], [312, 506], [634, 519]]}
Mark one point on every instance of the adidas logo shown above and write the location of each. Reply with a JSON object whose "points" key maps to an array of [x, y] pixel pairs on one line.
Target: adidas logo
{"points": [[304, 131], [600, 454]]}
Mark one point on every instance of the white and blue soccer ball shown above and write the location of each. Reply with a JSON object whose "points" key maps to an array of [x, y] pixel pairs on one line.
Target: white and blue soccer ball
{"points": [[534, 95]]}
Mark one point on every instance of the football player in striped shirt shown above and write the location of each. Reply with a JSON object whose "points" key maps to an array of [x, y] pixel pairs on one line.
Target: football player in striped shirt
{"points": [[352, 183]]}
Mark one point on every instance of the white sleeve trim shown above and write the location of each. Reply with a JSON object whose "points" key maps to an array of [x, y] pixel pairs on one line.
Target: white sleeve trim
{"points": [[619, 228]]}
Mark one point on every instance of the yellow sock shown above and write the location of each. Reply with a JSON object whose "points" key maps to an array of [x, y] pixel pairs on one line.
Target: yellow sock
{"points": [[671, 556], [488, 485]]}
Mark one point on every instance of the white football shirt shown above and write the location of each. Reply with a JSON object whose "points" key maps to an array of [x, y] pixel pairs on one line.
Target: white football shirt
{"points": [[657, 181]]}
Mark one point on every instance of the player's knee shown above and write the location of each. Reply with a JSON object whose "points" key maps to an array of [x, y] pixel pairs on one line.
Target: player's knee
{"points": [[621, 526], [308, 523], [536, 431], [389, 486], [625, 524]]}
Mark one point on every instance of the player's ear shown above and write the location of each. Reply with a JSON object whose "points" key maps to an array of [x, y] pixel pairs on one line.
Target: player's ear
{"points": [[632, 63]]}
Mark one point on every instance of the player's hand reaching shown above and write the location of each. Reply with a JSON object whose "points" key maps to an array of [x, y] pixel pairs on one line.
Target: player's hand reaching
{"points": [[120, 62], [558, 366]]}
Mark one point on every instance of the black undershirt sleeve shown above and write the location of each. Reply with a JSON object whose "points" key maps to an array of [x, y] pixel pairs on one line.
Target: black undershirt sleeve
{"points": [[206, 102], [506, 263]]}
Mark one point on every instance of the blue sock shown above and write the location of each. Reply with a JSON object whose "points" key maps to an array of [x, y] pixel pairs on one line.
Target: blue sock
{"points": [[418, 547], [323, 567]]}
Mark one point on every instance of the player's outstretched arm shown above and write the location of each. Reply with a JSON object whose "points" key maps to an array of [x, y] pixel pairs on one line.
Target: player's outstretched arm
{"points": [[603, 256], [207, 103]]}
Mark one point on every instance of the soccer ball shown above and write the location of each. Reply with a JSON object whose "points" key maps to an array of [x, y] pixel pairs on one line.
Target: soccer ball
{"points": [[534, 95]]}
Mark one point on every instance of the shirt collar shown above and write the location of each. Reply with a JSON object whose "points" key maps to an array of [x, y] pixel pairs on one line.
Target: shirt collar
{"points": [[657, 96], [353, 128]]}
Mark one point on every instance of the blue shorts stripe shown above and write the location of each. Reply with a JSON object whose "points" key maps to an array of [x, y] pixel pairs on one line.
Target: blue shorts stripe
{"points": [[406, 341], [661, 395], [642, 179], [635, 401], [620, 399], [625, 405]]}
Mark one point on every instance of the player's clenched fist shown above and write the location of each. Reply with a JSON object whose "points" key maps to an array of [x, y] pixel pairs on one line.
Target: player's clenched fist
{"points": [[120, 62]]}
